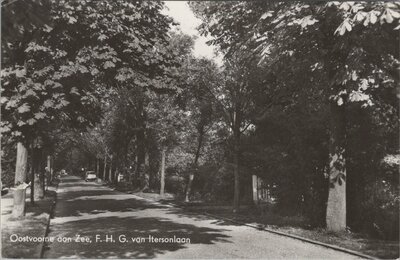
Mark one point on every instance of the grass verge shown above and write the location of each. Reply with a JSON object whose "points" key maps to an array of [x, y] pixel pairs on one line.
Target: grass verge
{"points": [[297, 225], [294, 225]]}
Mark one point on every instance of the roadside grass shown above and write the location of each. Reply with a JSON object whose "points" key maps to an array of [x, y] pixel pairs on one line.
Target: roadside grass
{"points": [[34, 224], [297, 225], [353, 241], [294, 225]]}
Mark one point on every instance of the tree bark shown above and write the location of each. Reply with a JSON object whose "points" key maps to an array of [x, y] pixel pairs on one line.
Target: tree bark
{"points": [[42, 174], [97, 167], [147, 169], [125, 172], [141, 158], [336, 206], [141, 147], [195, 164], [38, 194], [153, 169], [236, 173], [20, 177], [162, 177], [51, 170], [255, 189], [110, 178], [19, 203], [32, 178], [21, 166], [48, 171], [236, 151], [37, 181], [136, 163], [105, 167]]}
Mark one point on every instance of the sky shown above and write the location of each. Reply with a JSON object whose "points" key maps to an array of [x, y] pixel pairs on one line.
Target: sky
{"points": [[181, 13]]}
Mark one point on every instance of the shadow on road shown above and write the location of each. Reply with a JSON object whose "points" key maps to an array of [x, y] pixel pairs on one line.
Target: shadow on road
{"points": [[88, 209]]}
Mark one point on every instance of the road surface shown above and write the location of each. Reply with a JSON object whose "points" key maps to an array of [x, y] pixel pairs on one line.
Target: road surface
{"points": [[93, 221]]}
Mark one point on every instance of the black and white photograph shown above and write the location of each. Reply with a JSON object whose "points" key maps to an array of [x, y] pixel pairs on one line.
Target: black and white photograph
{"points": [[200, 129]]}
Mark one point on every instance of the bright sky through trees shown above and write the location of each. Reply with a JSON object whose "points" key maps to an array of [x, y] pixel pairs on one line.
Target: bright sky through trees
{"points": [[181, 12]]}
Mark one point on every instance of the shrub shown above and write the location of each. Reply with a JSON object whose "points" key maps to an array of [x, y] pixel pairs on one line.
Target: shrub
{"points": [[382, 210]]}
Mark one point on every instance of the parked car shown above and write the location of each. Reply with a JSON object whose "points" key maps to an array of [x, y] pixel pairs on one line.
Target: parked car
{"points": [[90, 176]]}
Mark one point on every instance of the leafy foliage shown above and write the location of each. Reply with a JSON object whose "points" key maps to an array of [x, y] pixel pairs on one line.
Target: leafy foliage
{"points": [[310, 54], [65, 68], [110, 79]]}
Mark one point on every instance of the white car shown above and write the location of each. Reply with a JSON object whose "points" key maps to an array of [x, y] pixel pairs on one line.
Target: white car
{"points": [[90, 176]]}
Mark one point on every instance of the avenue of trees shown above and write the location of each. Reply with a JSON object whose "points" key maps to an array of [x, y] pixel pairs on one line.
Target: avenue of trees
{"points": [[306, 99]]}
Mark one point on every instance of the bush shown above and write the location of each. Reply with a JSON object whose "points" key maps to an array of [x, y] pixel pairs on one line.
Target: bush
{"points": [[175, 183], [382, 208], [214, 182]]}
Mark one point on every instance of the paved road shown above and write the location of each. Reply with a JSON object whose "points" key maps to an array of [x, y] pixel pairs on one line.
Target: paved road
{"points": [[88, 209]]}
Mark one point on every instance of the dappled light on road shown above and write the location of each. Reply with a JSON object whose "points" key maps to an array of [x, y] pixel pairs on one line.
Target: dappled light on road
{"points": [[100, 211], [109, 217]]}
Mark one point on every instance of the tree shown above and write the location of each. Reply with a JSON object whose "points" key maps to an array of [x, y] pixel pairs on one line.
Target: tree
{"points": [[165, 121], [346, 62], [201, 75], [157, 113], [55, 75], [335, 36], [19, 24], [31, 100], [231, 96]]}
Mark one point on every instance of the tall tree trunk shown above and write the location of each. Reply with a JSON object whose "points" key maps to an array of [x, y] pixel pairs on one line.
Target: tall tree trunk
{"points": [[125, 172], [21, 166], [38, 187], [110, 178], [97, 167], [153, 169], [20, 177], [195, 163], [141, 157], [146, 176], [255, 188], [142, 160], [105, 167], [162, 177], [51, 169], [336, 206], [136, 163], [141, 147], [42, 174], [189, 185], [236, 151], [48, 171], [32, 178]]}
